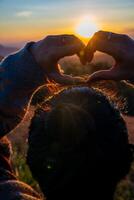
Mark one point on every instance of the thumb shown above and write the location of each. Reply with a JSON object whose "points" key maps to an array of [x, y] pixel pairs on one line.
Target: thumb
{"points": [[103, 75], [66, 79]]}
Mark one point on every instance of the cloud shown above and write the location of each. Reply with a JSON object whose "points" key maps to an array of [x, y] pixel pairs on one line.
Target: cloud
{"points": [[24, 14]]}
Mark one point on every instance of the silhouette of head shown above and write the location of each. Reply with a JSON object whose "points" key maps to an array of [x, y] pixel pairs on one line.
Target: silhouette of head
{"points": [[78, 144]]}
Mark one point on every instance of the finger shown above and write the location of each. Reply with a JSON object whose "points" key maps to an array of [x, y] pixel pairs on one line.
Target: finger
{"points": [[66, 79], [80, 53], [91, 47], [70, 39], [88, 55], [68, 50], [64, 45], [81, 56], [103, 43], [62, 40], [114, 37], [104, 75]]}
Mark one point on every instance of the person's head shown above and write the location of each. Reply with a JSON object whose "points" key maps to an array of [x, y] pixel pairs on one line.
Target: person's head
{"points": [[78, 143]]}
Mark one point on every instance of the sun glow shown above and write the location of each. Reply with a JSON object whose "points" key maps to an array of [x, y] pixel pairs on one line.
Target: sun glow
{"points": [[86, 27]]}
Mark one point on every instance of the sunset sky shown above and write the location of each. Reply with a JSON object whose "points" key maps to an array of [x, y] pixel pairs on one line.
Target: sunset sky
{"points": [[24, 20]]}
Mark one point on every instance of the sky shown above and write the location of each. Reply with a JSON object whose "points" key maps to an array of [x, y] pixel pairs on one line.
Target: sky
{"points": [[26, 20]]}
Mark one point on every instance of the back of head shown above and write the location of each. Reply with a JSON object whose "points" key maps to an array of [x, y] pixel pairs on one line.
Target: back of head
{"points": [[78, 143]]}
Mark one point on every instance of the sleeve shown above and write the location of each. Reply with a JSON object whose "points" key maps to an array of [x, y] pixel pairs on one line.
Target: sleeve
{"points": [[20, 76]]}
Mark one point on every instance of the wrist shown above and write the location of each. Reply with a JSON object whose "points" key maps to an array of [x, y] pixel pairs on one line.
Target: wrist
{"points": [[38, 54], [31, 48], [24, 72], [34, 51]]}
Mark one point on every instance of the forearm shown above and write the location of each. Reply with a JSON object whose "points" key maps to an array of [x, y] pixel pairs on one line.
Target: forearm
{"points": [[20, 76]]}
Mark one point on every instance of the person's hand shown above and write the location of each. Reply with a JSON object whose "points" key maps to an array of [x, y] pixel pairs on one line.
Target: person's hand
{"points": [[48, 51], [121, 47]]}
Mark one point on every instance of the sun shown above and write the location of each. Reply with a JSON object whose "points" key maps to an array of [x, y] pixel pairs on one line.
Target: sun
{"points": [[86, 27]]}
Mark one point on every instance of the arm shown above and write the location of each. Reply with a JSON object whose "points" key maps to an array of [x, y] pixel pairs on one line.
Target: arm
{"points": [[22, 73], [20, 76]]}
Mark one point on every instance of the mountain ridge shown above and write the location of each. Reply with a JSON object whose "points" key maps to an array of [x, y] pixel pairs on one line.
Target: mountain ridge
{"points": [[6, 50]]}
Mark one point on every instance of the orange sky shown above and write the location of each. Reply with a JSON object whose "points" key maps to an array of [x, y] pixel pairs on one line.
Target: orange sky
{"points": [[22, 20]]}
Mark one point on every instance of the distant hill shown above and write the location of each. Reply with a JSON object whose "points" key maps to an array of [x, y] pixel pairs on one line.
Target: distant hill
{"points": [[5, 50], [98, 58]]}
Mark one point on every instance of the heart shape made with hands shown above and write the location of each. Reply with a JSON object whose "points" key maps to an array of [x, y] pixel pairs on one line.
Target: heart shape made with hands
{"points": [[50, 50]]}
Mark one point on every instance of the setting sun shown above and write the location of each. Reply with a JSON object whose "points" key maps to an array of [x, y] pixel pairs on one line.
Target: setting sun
{"points": [[86, 27]]}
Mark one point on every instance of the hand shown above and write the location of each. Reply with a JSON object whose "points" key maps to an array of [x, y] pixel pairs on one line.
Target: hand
{"points": [[48, 51], [121, 47]]}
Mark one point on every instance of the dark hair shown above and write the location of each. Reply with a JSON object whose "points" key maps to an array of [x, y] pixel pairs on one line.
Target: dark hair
{"points": [[78, 142]]}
